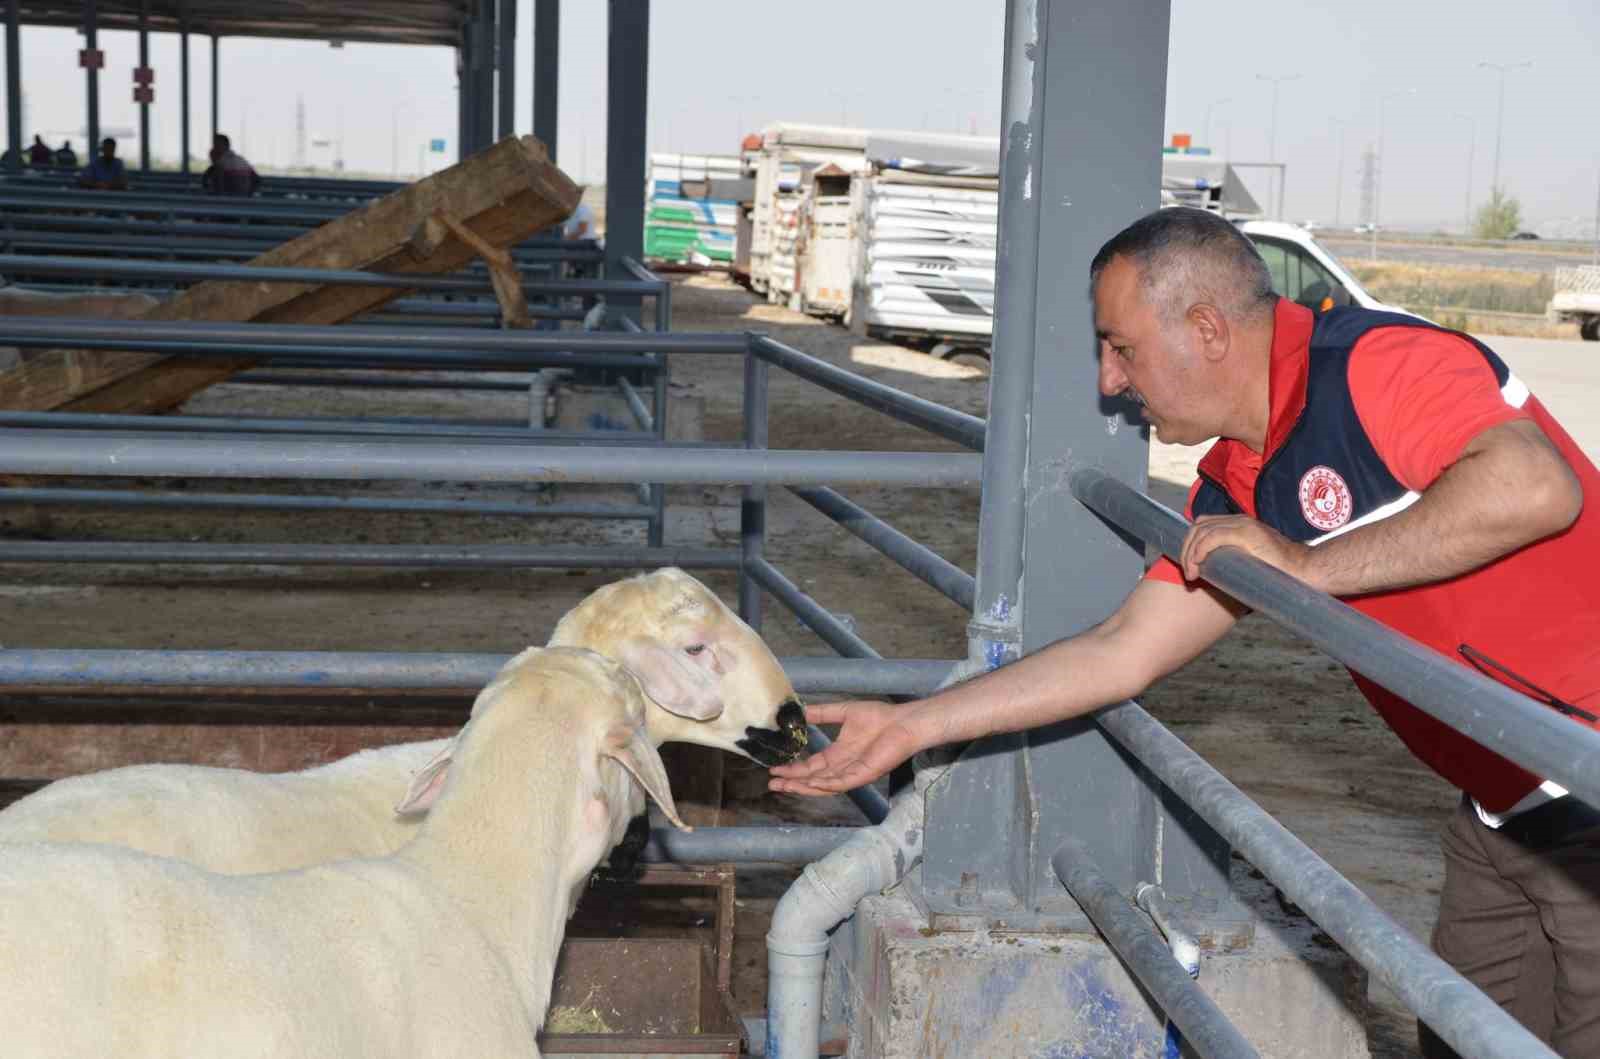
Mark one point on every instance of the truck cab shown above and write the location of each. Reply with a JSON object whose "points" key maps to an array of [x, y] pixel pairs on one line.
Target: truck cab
{"points": [[1305, 272]]}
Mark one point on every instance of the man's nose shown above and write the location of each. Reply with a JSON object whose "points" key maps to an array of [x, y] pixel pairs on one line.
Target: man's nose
{"points": [[1112, 379]]}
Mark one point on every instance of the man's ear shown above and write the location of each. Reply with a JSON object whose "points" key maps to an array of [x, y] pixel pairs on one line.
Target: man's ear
{"points": [[1211, 327]]}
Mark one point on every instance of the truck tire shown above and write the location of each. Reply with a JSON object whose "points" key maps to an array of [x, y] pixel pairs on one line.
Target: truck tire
{"points": [[1590, 328]]}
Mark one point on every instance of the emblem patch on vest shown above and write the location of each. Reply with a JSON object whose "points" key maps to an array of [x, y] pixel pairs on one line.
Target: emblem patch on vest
{"points": [[1325, 499]]}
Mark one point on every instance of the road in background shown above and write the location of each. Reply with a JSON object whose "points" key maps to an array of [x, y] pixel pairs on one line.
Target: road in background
{"points": [[1354, 249]]}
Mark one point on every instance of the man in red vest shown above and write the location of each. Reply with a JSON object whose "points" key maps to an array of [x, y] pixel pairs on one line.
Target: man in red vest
{"points": [[1385, 461]]}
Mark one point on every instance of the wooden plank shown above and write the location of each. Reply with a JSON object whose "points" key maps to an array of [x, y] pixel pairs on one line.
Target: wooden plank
{"points": [[502, 195]]}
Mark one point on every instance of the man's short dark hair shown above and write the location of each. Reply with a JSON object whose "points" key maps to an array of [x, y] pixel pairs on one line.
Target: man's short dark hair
{"points": [[1184, 256], [222, 141]]}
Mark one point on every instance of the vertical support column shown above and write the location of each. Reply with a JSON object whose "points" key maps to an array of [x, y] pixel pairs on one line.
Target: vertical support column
{"points": [[753, 504], [183, 91], [14, 85], [656, 532], [484, 55], [547, 73], [464, 93], [215, 95], [627, 80], [91, 42], [508, 70], [1071, 176], [144, 64]]}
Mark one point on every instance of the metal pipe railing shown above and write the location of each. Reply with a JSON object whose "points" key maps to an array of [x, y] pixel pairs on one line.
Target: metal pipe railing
{"points": [[128, 498], [835, 633], [374, 380], [196, 424], [947, 423], [102, 268], [1132, 937], [368, 338], [436, 556], [1525, 732], [1455, 1008], [927, 565], [66, 452], [389, 670]]}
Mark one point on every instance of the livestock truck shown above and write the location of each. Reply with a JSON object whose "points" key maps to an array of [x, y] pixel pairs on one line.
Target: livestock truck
{"points": [[1577, 300]]}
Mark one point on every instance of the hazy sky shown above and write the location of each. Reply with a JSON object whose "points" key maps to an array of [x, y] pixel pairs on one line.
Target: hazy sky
{"points": [[720, 66]]}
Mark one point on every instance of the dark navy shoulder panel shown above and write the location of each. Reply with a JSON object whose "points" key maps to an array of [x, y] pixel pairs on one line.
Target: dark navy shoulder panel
{"points": [[1343, 327], [1212, 499]]}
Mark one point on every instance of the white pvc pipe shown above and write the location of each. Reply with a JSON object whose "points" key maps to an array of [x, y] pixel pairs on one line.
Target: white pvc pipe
{"points": [[825, 895]]}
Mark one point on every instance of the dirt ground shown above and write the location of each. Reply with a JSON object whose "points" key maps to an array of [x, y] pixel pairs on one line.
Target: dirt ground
{"points": [[1275, 716]]}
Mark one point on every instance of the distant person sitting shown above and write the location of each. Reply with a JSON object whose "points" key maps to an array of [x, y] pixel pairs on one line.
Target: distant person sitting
{"points": [[66, 157], [106, 172], [229, 174], [39, 153]]}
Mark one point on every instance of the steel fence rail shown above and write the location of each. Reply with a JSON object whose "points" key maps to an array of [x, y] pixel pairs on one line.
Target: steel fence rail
{"points": [[375, 380], [129, 498], [199, 424], [389, 670], [437, 556], [927, 565], [119, 334], [946, 423], [1532, 735], [66, 452], [833, 632], [1463, 1016], [1133, 938], [102, 268]]}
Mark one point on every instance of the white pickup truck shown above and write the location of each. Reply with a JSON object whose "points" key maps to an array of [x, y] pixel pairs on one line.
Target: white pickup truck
{"points": [[1304, 271], [1577, 300]]}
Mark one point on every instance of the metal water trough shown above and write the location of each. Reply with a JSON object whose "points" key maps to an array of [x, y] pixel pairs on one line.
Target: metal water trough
{"points": [[657, 998]]}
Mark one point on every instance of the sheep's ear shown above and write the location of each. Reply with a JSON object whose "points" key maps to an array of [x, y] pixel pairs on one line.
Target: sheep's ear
{"points": [[627, 746], [672, 680], [427, 783]]}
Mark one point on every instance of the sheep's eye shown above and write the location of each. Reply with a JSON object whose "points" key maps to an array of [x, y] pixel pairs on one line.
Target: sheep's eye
{"points": [[694, 648]]}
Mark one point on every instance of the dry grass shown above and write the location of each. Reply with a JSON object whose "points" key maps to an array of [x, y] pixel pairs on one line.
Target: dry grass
{"points": [[1501, 290], [1450, 294]]}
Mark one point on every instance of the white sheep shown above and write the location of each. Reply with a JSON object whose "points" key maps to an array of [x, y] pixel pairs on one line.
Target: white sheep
{"points": [[446, 948], [708, 679]]}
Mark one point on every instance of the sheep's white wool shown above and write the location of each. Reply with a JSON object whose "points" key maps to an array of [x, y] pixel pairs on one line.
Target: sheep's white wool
{"points": [[445, 948]]}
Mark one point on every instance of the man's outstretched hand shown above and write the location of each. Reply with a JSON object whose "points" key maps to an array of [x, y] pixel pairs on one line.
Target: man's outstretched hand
{"points": [[875, 737]]}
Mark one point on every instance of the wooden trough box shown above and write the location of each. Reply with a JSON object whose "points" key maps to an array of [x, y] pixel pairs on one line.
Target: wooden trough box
{"points": [[650, 998]]}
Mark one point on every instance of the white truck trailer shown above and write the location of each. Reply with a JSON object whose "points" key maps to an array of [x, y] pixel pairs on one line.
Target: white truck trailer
{"points": [[894, 233], [1577, 299]]}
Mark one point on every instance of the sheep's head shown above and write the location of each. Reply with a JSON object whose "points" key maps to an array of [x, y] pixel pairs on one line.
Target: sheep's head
{"points": [[710, 678]]}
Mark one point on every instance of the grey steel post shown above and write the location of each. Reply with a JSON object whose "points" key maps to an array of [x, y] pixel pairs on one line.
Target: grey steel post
{"points": [[144, 108], [657, 528], [1071, 177], [627, 78], [753, 504], [464, 86], [508, 69], [183, 92], [91, 43], [486, 53], [547, 74], [14, 84], [216, 84]]}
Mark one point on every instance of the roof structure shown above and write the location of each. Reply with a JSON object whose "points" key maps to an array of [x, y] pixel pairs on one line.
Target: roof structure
{"points": [[436, 22]]}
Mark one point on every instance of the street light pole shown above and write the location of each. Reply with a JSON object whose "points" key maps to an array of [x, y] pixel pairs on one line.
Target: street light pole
{"points": [[1472, 147], [1377, 194], [1214, 104], [1338, 174], [1272, 134], [1500, 120]]}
